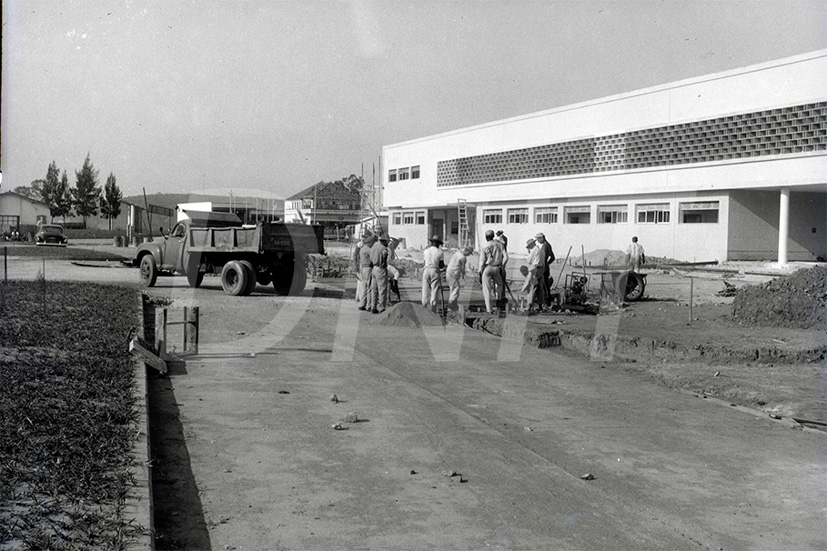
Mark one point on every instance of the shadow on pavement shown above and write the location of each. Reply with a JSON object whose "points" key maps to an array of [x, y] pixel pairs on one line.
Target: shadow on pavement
{"points": [[179, 516]]}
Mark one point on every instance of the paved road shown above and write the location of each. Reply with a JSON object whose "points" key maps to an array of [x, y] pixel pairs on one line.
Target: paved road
{"points": [[267, 471]]}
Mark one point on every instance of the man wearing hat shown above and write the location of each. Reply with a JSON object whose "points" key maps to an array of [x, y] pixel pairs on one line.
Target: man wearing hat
{"points": [[546, 258], [492, 258], [365, 269], [434, 262], [379, 275], [535, 287]]}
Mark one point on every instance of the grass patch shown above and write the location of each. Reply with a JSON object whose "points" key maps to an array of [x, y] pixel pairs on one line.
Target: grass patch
{"points": [[63, 253], [67, 415]]}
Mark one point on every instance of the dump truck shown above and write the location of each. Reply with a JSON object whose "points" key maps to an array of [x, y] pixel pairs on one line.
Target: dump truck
{"points": [[243, 255]]}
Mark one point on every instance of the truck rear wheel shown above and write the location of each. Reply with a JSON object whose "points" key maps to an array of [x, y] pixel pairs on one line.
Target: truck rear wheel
{"points": [[251, 277], [148, 270], [235, 278]]}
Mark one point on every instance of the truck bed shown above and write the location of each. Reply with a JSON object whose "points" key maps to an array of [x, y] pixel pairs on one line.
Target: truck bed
{"points": [[276, 237]]}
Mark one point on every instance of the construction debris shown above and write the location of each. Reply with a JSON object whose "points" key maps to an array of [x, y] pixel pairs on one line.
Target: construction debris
{"points": [[797, 301], [334, 399], [588, 476]]}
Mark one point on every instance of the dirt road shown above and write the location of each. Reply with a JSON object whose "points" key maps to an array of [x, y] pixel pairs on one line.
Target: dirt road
{"points": [[259, 466]]}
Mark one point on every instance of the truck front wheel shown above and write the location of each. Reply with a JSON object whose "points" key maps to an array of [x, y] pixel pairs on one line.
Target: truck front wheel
{"points": [[194, 275], [235, 278], [148, 270]]}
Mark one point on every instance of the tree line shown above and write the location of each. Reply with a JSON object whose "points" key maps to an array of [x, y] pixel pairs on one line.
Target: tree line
{"points": [[85, 199]]}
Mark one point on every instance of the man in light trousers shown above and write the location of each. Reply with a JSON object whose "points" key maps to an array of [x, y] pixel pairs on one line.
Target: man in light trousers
{"points": [[434, 262]]}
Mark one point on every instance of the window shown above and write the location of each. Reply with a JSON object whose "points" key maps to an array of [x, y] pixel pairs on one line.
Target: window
{"points": [[408, 218], [492, 216], [518, 216], [420, 217], [699, 213], [612, 214], [414, 172], [653, 214], [307, 203], [545, 215], [392, 175], [403, 174], [397, 218], [578, 215]]}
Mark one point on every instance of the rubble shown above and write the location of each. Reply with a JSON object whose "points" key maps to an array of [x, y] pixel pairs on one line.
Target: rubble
{"points": [[797, 301], [406, 314]]}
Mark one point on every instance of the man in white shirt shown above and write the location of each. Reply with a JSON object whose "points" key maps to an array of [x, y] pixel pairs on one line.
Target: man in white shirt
{"points": [[634, 255], [492, 259], [454, 273], [434, 262]]}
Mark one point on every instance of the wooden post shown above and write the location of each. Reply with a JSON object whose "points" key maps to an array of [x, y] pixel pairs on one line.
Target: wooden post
{"points": [[161, 332], [6, 264], [191, 329], [691, 296]]}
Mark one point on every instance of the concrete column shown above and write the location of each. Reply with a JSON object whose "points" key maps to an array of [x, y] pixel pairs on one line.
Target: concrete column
{"points": [[783, 226]]}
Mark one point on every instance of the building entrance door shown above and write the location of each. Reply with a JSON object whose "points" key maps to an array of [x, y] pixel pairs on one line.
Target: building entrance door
{"points": [[438, 228]]}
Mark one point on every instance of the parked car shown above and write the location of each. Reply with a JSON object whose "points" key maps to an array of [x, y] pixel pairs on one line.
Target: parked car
{"points": [[51, 234]]}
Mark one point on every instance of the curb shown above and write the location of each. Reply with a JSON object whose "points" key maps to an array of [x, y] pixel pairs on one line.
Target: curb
{"points": [[138, 508]]}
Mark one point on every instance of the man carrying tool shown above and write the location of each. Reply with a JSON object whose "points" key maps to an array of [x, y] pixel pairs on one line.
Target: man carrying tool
{"points": [[492, 258], [365, 269], [431, 280], [546, 258], [454, 273], [379, 275]]}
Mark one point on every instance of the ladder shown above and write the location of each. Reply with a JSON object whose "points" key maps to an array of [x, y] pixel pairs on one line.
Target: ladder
{"points": [[464, 231]]}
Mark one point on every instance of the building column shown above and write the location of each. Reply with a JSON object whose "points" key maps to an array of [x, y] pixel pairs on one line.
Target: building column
{"points": [[783, 226]]}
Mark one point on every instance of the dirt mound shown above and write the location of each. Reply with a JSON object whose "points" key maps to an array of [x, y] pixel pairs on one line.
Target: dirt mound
{"points": [[406, 314], [406, 266], [797, 301], [600, 257]]}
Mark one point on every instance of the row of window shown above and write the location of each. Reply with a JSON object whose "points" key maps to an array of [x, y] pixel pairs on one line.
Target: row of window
{"points": [[409, 218], [655, 213], [406, 173]]}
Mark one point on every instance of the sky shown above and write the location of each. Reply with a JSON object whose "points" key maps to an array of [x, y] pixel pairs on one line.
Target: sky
{"points": [[182, 96]]}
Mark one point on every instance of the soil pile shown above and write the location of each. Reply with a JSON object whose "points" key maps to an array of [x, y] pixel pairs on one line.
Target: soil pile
{"points": [[600, 257], [406, 314], [797, 301]]}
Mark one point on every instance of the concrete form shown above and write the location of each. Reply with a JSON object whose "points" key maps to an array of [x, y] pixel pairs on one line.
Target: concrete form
{"points": [[728, 166]]}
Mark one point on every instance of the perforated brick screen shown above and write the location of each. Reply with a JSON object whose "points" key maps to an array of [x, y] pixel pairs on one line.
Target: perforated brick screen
{"points": [[781, 131]]}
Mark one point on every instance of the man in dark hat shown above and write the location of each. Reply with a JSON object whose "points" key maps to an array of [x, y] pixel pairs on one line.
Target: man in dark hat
{"points": [[546, 258], [431, 281]]}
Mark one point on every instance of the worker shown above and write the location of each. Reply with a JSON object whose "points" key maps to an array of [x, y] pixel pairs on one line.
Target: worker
{"points": [[393, 272], [379, 275], [500, 236], [431, 279], [536, 286], [360, 289], [456, 272], [492, 259], [365, 270], [634, 255], [546, 257]]}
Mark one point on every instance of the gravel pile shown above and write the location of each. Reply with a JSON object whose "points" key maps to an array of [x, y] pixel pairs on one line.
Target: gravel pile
{"points": [[406, 314], [797, 301]]}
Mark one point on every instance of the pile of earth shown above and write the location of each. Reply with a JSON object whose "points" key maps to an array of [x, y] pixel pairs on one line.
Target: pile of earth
{"points": [[406, 266], [600, 257], [797, 301], [406, 314]]}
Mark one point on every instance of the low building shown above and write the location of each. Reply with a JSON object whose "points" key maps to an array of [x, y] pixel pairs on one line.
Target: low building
{"points": [[22, 214], [729, 166]]}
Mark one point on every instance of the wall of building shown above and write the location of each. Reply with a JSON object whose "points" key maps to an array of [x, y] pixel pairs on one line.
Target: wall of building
{"points": [[28, 213], [753, 234]]}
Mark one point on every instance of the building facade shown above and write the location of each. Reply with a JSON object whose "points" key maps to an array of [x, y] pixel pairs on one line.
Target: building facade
{"points": [[729, 166], [21, 214], [335, 205]]}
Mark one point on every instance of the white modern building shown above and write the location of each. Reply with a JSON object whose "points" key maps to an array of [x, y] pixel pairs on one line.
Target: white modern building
{"points": [[728, 166]]}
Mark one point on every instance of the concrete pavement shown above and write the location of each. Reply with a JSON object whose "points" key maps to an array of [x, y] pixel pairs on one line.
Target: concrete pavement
{"points": [[520, 425]]}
